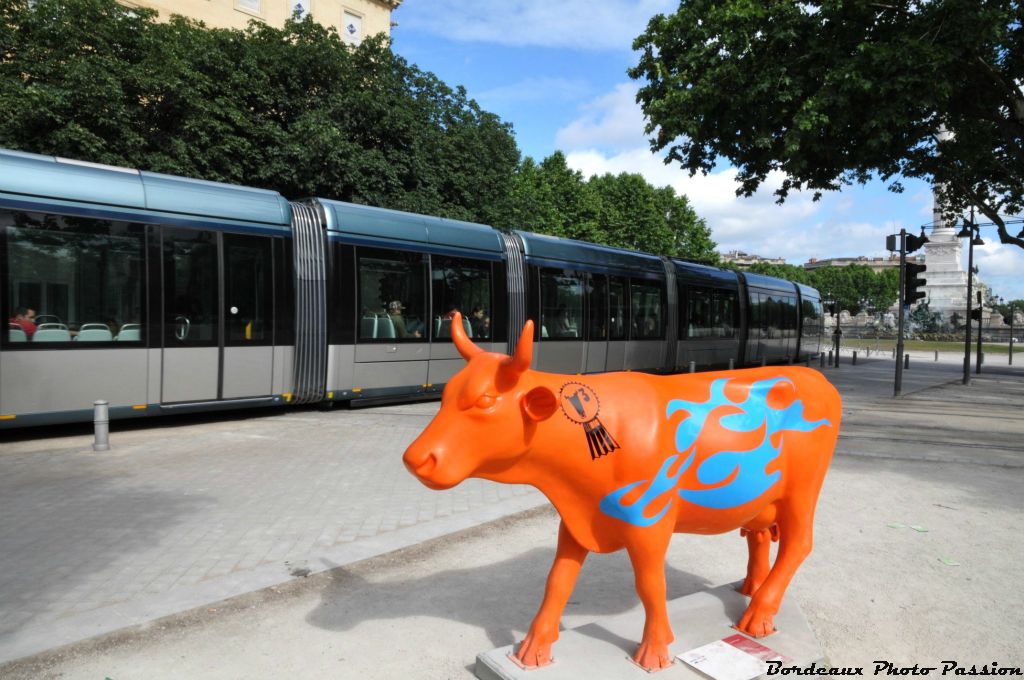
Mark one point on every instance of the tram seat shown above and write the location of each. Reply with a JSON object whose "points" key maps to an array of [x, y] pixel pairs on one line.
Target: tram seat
{"points": [[49, 333], [130, 332], [94, 332], [443, 327], [385, 327], [368, 327], [16, 333]]}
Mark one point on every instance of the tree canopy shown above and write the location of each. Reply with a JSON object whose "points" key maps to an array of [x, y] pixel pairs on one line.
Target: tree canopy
{"points": [[622, 210], [292, 109], [295, 110], [832, 92]]}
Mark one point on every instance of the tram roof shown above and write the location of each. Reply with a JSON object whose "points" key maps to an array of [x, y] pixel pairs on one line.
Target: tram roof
{"points": [[390, 225], [543, 247], [691, 272], [769, 282], [64, 179]]}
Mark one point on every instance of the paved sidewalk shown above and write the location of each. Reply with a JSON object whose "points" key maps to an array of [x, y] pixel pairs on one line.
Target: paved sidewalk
{"points": [[179, 516]]}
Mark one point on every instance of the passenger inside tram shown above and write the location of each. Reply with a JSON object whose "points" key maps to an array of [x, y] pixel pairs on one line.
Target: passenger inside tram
{"points": [[395, 308], [24, 318]]}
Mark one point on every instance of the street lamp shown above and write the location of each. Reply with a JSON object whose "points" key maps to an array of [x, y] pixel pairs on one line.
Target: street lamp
{"points": [[1011, 310], [973, 232]]}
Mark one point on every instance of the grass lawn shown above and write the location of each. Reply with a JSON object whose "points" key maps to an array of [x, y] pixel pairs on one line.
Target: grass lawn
{"points": [[930, 345]]}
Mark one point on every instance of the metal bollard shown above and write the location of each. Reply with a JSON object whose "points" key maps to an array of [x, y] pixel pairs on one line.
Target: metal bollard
{"points": [[808, 358], [830, 357], [854, 357], [821, 359], [732, 363], [101, 423], [693, 367], [936, 355], [893, 352], [906, 361]]}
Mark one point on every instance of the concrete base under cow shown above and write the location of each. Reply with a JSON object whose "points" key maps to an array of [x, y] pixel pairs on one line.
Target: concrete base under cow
{"points": [[602, 649]]}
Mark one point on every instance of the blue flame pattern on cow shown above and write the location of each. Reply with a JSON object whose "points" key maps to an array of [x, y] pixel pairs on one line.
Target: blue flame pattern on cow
{"points": [[740, 476]]}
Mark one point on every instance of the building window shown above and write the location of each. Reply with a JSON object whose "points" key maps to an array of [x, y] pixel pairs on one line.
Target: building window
{"points": [[299, 9], [351, 27], [251, 6]]}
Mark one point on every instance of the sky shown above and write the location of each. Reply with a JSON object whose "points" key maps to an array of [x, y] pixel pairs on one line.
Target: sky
{"points": [[556, 71]]}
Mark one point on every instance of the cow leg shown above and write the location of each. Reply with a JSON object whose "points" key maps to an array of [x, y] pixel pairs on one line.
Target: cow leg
{"points": [[759, 547], [535, 650], [795, 541], [648, 558]]}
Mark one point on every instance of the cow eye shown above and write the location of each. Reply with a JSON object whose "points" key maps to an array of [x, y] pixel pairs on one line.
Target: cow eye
{"points": [[485, 401]]}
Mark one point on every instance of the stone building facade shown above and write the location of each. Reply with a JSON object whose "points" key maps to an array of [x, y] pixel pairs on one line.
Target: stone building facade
{"points": [[354, 19]]}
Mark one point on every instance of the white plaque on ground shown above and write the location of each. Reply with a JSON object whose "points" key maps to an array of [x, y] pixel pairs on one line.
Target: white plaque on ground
{"points": [[600, 650]]}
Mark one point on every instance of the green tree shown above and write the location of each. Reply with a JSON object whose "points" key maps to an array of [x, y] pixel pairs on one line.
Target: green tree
{"points": [[292, 109], [551, 198], [836, 92], [789, 272]]}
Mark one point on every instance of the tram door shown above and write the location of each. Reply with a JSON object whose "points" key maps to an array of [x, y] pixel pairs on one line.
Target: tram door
{"points": [[217, 316]]}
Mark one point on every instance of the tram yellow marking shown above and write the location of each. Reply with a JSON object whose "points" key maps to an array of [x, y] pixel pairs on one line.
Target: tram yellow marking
{"points": [[287, 396], [139, 407], [8, 416], [357, 390], [330, 395]]}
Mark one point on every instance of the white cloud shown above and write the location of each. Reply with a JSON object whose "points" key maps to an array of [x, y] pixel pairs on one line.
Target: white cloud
{"points": [[612, 121], [754, 224], [534, 89], [580, 24]]}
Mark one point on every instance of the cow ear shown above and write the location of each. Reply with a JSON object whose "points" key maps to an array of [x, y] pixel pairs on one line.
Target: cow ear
{"points": [[539, 403]]}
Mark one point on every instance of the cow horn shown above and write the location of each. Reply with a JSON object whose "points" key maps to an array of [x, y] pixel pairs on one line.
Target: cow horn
{"points": [[523, 357], [466, 347]]}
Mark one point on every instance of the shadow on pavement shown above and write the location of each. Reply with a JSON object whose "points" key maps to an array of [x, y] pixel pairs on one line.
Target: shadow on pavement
{"points": [[500, 598]]}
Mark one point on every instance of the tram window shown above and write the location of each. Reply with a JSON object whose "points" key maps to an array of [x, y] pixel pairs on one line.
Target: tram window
{"points": [[461, 285], [597, 293], [699, 312], [770, 317], [83, 279], [617, 308], [190, 288], [789, 317], [811, 312], [248, 290], [561, 304], [646, 307], [725, 314], [392, 295]]}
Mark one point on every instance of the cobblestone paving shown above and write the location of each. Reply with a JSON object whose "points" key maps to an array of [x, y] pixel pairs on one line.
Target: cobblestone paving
{"points": [[182, 515]]}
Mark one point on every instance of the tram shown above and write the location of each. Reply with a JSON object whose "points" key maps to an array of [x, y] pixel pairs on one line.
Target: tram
{"points": [[162, 294]]}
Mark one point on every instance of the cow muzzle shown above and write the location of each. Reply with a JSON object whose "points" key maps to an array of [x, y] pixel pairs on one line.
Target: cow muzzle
{"points": [[423, 464]]}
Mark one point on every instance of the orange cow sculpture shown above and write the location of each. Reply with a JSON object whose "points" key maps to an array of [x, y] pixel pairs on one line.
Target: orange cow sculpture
{"points": [[628, 459]]}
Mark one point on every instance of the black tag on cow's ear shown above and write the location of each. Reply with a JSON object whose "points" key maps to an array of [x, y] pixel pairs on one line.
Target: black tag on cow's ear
{"points": [[581, 405]]}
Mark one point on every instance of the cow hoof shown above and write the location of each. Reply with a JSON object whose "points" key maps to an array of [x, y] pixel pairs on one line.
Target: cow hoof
{"points": [[755, 623], [534, 654], [652, 656]]}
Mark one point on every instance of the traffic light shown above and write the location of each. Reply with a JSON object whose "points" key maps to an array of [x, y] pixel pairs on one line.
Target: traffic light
{"points": [[911, 283], [915, 242]]}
